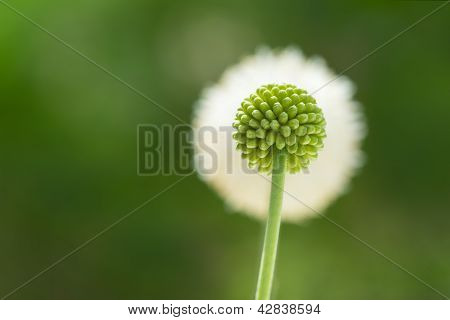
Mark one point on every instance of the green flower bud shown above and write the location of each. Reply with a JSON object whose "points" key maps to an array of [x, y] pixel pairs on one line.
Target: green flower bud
{"points": [[270, 138], [253, 123], [292, 112], [260, 133], [277, 108], [283, 117], [275, 125], [285, 131], [265, 124], [293, 124], [251, 134], [280, 142], [270, 115], [257, 115], [301, 131]]}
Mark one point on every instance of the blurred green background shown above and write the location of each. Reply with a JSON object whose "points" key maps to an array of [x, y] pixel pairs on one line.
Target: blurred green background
{"points": [[68, 151]]}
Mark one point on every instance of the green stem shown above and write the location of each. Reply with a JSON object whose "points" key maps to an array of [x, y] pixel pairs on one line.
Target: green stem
{"points": [[269, 253]]}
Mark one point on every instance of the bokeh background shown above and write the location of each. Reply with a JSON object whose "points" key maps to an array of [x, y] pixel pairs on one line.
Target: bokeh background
{"points": [[68, 151]]}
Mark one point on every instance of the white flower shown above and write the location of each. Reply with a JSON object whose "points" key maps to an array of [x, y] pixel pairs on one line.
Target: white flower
{"points": [[326, 178]]}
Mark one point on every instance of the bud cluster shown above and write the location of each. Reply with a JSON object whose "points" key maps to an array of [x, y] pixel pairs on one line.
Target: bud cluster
{"points": [[283, 117]]}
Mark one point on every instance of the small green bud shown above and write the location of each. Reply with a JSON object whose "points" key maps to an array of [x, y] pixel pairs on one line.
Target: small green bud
{"points": [[301, 107], [260, 133], [286, 102], [292, 148], [265, 124], [251, 134], [285, 131], [251, 143], [283, 117], [275, 125], [314, 140], [264, 107], [292, 139], [293, 124], [282, 94], [277, 108], [302, 118], [242, 128], [263, 145], [270, 115], [292, 112], [245, 119], [253, 123], [257, 115], [280, 142], [301, 131], [270, 138], [295, 98], [304, 140]]}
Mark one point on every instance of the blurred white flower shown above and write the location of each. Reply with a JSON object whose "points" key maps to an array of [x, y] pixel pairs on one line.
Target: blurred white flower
{"points": [[326, 178]]}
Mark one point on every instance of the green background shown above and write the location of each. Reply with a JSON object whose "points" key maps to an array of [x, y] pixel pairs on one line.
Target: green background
{"points": [[68, 151]]}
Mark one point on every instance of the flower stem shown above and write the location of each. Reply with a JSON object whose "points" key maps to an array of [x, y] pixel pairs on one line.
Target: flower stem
{"points": [[269, 253]]}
